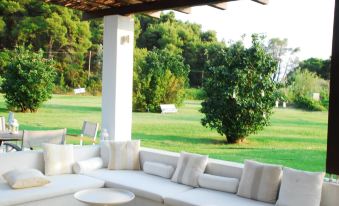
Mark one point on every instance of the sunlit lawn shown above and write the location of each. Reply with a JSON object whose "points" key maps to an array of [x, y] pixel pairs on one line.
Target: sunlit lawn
{"points": [[296, 138]]}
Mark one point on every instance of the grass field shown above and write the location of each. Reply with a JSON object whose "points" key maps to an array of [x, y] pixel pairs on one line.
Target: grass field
{"points": [[295, 138]]}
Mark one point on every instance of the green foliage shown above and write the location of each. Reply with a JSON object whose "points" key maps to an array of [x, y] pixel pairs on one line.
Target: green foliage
{"points": [[240, 92], [194, 94], [307, 103], [28, 80], [183, 38], [58, 31], [319, 66], [303, 84], [160, 77]]}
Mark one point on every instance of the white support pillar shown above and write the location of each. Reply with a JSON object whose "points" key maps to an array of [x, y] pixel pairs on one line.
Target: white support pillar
{"points": [[117, 77]]}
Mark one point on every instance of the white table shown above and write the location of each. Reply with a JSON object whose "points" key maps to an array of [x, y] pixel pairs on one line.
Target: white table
{"points": [[104, 196]]}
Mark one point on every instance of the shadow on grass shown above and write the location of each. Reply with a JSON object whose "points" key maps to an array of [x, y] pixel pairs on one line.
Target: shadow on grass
{"points": [[72, 108], [179, 139], [70, 131]]}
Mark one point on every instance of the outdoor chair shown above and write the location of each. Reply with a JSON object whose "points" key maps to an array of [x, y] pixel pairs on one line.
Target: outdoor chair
{"points": [[34, 139], [89, 129]]}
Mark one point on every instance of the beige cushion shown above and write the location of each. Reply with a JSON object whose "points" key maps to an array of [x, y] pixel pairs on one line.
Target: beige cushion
{"points": [[260, 181], [25, 178], [105, 151], [84, 166], [158, 169], [189, 168], [224, 184], [124, 155], [300, 188], [59, 159]]}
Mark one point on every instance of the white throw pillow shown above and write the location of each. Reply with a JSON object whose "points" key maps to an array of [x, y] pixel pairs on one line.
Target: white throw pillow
{"points": [[59, 159], [189, 168], [105, 152], [159, 169], [124, 155], [82, 167], [260, 181], [25, 178], [300, 188], [224, 184]]}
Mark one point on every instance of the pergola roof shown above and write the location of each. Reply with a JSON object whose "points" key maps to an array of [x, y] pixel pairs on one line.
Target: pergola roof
{"points": [[100, 8]]}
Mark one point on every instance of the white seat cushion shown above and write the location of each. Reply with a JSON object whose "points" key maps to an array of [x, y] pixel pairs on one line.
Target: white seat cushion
{"points": [[141, 184], [60, 185], [208, 197]]}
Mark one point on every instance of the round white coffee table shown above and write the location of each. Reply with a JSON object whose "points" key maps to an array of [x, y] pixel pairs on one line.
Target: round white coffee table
{"points": [[104, 196]]}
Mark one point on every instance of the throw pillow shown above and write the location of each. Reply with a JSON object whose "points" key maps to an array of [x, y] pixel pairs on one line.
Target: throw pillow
{"points": [[105, 152], [158, 169], [300, 188], [124, 155], [189, 168], [25, 178], [59, 159], [224, 184], [82, 167], [260, 181]]}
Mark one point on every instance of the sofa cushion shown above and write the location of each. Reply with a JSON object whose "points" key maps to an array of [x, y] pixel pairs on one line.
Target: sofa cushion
{"points": [[158, 169], [25, 178], [60, 185], [189, 168], [124, 155], [300, 188], [59, 159], [213, 182], [208, 197], [141, 184], [260, 181]]}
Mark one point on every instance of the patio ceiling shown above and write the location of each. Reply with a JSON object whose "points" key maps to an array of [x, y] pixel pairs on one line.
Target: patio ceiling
{"points": [[99, 8]]}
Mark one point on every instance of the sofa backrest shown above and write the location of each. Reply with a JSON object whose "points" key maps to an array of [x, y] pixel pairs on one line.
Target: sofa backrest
{"points": [[330, 194], [35, 160], [214, 167]]}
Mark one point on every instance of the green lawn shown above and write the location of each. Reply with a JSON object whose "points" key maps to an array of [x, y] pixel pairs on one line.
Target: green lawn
{"points": [[296, 138]]}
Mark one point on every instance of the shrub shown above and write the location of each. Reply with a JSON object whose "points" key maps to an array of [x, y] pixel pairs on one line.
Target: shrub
{"points": [[160, 77], [93, 85], [28, 80], [303, 85], [194, 94], [308, 104], [240, 92]]}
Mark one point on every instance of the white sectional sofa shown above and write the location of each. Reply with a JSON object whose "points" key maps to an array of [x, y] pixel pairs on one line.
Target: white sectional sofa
{"points": [[149, 190]]}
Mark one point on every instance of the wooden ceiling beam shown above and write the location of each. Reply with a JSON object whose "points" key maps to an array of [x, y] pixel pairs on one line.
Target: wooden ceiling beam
{"points": [[264, 2], [155, 14], [221, 6], [185, 10], [149, 6]]}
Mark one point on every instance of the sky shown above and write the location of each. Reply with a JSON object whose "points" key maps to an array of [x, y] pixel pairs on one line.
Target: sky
{"points": [[307, 24]]}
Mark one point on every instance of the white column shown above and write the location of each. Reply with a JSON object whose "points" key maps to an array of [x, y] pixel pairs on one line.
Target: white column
{"points": [[117, 77]]}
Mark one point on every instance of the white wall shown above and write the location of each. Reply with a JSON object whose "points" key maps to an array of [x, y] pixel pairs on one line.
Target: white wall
{"points": [[117, 80]]}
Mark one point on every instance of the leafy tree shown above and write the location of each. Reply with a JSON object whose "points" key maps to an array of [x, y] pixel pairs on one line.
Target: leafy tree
{"points": [[28, 80], [240, 91], [56, 30], [284, 55], [160, 77], [319, 66]]}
